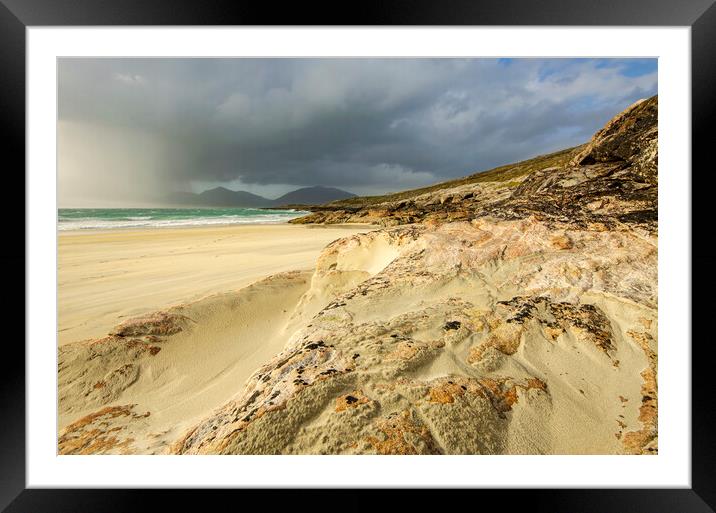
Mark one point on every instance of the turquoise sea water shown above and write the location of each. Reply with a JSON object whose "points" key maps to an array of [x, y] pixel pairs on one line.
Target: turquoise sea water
{"points": [[113, 218]]}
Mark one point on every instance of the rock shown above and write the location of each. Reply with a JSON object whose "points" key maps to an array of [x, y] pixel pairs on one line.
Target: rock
{"points": [[157, 323], [630, 137], [567, 312], [106, 431]]}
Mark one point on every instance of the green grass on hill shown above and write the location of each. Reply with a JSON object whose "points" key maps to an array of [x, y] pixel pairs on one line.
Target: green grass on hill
{"points": [[506, 173]]}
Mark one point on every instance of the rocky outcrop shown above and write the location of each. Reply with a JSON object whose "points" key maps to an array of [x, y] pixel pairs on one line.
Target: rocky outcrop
{"points": [[611, 182], [477, 338], [630, 138]]}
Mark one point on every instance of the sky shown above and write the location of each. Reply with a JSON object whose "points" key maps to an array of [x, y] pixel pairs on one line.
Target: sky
{"points": [[131, 131]]}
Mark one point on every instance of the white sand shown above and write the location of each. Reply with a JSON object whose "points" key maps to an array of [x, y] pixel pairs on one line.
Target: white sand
{"points": [[105, 277]]}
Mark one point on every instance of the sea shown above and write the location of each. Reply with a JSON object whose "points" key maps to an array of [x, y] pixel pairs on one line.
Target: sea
{"points": [[118, 218]]}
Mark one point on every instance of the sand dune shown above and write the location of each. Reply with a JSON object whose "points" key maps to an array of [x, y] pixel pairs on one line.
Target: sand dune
{"points": [[212, 344]]}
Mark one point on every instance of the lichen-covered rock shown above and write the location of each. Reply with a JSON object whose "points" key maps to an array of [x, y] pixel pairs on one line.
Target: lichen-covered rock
{"points": [[106, 431], [157, 323], [631, 137], [98, 371], [471, 338]]}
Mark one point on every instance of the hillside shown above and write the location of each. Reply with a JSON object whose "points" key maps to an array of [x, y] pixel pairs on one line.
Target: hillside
{"points": [[611, 179], [501, 174]]}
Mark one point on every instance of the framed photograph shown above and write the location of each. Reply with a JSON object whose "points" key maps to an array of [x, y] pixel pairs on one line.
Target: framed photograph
{"points": [[414, 248]]}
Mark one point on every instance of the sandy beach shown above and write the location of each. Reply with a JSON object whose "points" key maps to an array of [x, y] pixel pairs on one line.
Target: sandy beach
{"points": [[105, 277], [389, 322], [513, 312]]}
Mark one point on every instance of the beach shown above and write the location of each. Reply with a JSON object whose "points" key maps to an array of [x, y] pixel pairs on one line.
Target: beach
{"points": [[514, 311], [106, 276], [374, 322]]}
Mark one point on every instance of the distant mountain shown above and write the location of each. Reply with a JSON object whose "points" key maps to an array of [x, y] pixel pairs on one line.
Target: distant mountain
{"points": [[219, 197], [313, 196], [223, 197]]}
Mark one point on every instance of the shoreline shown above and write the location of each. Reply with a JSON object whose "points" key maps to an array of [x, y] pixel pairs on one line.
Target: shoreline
{"points": [[96, 231], [106, 276]]}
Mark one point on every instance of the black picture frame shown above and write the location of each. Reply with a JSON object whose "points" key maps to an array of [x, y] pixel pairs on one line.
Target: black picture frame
{"points": [[700, 15]]}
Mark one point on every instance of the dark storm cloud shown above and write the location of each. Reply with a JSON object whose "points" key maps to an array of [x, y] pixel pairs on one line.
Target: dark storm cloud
{"points": [[367, 125]]}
